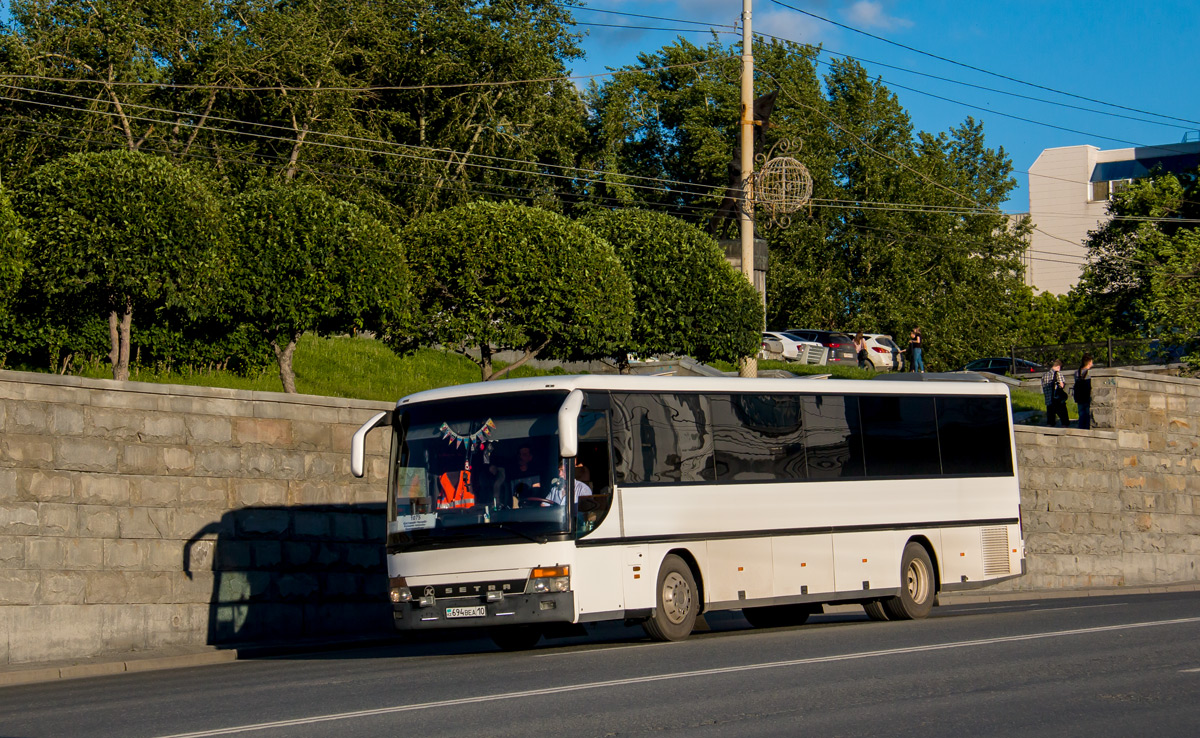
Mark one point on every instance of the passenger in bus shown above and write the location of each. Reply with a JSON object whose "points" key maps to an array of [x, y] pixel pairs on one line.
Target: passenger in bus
{"points": [[526, 481]]}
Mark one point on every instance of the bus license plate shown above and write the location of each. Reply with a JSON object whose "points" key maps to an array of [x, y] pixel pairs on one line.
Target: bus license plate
{"points": [[478, 611]]}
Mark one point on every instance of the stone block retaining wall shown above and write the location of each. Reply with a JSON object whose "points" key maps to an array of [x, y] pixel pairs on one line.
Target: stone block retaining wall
{"points": [[136, 516], [1118, 505]]}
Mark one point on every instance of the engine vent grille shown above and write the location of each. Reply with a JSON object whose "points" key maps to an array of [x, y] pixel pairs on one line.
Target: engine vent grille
{"points": [[995, 551]]}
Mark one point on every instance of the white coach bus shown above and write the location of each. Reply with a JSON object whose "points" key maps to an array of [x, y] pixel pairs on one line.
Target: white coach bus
{"points": [[531, 506]]}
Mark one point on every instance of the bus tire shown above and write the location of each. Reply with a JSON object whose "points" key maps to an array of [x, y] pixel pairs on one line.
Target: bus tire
{"points": [[777, 616], [917, 585], [516, 637], [676, 602], [875, 610]]}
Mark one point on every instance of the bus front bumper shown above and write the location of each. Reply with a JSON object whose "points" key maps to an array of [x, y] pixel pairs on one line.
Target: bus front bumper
{"points": [[473, 612]]}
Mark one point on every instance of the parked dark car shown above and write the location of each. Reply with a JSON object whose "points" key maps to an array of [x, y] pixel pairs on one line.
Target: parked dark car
{"points": [[1003, 365], [840, 345]]}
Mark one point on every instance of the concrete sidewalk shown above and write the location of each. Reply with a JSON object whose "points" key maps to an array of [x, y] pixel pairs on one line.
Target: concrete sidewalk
{"points": [[190, 656]]}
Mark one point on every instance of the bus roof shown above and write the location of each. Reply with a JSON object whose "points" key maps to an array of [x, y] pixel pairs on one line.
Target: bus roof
{"points": [[709, 385]]}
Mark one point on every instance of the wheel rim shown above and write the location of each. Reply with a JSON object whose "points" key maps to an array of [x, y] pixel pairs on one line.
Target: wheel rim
{"points": [[676, 598], [917, 581]]}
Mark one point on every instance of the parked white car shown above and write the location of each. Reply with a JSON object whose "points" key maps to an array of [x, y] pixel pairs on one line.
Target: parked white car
{"points": [[793, 346], [883, 352]]}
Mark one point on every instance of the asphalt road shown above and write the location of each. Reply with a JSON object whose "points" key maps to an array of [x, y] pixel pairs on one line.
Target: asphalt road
{"points": [[1119, 666]]}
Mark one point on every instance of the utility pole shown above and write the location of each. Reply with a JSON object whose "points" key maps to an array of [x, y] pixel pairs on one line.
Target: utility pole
{"points": [[748, 366]]}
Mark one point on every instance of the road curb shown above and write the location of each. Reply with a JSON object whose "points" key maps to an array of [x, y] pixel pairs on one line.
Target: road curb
{"points": [[151, 661], [12, 676]]}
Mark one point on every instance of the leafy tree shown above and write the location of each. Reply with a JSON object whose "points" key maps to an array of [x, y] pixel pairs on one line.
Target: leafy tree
{"points": [[1117, 282], [498, 276], [118, 232], [1175, 293], [687, 299], [905, 229], [306, 261], [401, 98], [463, 53], [113, 55], [13, 253]]}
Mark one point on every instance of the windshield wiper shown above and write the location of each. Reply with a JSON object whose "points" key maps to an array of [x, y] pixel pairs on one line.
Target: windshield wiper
{"points": [[523, 534]]}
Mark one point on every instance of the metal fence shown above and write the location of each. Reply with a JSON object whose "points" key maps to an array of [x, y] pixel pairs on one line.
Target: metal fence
{"points": [[1106, 353]]}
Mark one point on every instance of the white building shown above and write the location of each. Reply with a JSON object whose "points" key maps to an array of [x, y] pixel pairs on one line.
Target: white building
{"points": [[1069, 189]]}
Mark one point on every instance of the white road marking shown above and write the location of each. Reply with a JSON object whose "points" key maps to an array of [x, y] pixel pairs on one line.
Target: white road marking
{"points": [[541, 692], [598, 650], [1026, 608], [1189, 671], [1078, 607]]}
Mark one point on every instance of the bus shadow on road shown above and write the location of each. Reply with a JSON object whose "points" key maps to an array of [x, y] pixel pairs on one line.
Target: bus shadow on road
{"points": [[288, 574]]}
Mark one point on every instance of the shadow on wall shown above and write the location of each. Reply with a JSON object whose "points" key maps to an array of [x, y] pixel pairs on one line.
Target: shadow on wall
{"points": [[282, 573]]}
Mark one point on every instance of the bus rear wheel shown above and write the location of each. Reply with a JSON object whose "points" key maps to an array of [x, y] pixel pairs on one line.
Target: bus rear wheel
{"points": [[917, 585], [777, 616], [676, 604], [516, 637]]}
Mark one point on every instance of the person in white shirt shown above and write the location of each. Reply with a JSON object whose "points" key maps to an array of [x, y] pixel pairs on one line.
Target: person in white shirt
{"points": [[583, 478]]}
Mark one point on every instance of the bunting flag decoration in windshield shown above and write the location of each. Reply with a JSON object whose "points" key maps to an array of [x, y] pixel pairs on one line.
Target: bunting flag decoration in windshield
{"points": [[478, 438]]}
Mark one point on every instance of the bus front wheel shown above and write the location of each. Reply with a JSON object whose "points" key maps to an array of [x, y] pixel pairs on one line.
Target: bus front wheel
{"points": [[917, 585], [677, 603]]}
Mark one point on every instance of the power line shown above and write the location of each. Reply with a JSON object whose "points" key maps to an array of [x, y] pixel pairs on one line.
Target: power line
{"points": [[590, 9], [825, 50], [652, 28], [980, 69], [893, 207], [360, 89], [417, 180], [995, 89], [703, 189], [575, 173]]}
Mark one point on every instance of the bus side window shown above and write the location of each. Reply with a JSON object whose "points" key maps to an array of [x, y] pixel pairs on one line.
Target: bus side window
{"points": [[974, 437], [834, 444], [758, 438], [661, 438]]}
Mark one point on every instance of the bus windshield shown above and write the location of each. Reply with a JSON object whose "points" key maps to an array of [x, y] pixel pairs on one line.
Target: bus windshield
{"points": [[479, 470]]}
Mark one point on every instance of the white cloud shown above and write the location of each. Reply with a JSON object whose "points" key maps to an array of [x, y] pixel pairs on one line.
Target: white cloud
{"points": [[869, 14], [793, 27]]}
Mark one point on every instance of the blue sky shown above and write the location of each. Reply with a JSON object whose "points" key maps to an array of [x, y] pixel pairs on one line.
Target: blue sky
{"points": [[1137, 53]]}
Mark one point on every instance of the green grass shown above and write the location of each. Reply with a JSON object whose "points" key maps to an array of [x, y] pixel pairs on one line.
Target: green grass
{"points": [[365, 369], [338, 367], [1026, 400]]}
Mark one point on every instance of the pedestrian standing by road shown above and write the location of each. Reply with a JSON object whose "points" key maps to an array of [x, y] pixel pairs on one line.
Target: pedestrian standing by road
{"points": [[860, 349], [917, 344], [1083, 392], [1054, 389]]}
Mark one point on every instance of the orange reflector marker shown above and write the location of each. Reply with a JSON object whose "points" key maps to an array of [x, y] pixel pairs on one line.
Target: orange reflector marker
{"points": [[739, 568], [551, 571], [802, 564], [864, 561], [637, 568], [964, 553]]}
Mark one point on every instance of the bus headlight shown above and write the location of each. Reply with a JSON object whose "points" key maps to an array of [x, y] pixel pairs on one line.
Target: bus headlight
{"points": [[398, 590], [549, 579]]}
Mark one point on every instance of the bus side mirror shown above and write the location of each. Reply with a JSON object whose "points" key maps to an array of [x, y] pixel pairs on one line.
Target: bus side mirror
{"points": [[568, 425], [358, 442]]}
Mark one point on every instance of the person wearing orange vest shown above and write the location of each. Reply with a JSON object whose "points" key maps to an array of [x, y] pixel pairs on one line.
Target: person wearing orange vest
{"points": [[456, 496]]}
